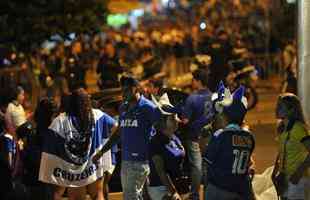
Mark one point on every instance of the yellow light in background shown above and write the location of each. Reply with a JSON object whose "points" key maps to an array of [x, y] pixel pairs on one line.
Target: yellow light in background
{"points": [[124, 6]]}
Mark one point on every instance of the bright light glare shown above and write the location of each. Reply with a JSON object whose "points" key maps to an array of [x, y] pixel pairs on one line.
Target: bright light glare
{"points": [[138, 12], [291, 1], [72, 36], [203, 25], [165, 2]]}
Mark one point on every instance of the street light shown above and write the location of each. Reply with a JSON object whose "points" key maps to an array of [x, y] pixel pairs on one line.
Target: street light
{"points": [[203, 25]]}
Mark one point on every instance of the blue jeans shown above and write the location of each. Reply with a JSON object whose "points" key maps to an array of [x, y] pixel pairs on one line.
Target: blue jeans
{"points": [[195, 161], [133, 177], [299, 190], [157, 192]]}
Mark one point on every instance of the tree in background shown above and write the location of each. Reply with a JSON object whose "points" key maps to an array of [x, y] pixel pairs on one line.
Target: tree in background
{"points": [[26, 23]]}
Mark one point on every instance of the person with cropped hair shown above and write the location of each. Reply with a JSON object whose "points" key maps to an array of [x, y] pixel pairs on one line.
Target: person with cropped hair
{"points": [[137, 116]]}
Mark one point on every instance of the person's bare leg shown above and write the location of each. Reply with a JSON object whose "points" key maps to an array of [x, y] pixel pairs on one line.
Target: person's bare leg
{"points": [[96, 190], [77, 193], [58, 192], [106, 180]]}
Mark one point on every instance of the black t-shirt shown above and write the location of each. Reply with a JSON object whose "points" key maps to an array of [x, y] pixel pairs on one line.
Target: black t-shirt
{"points": [[172, 153]]}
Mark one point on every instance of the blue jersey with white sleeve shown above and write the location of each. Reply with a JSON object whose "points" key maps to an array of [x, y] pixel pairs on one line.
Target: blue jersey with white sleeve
{"points": [[228, 159], [136, 127]]}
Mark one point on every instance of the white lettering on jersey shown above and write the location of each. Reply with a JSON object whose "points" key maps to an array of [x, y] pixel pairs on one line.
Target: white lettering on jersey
{"points": [[129, 123], [135, 154]]}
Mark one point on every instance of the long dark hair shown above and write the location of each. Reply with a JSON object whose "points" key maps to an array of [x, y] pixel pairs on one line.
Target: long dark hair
{"points": [[14, 92], [44, 113], [80, 107], [43, 116], [293, 103], [161, 124]]}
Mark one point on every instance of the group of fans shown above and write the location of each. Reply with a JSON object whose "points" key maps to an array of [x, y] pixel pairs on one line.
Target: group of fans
{"points": [[70, 149]]}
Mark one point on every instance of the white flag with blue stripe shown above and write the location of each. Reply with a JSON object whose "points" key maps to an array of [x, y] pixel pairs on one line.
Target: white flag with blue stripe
{"points": [[64, 167]]}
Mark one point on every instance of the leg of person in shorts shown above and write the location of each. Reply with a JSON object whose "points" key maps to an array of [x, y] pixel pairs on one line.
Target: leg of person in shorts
{"points": [[79, 193], [58, 192], [106, 180], [95, 190]]}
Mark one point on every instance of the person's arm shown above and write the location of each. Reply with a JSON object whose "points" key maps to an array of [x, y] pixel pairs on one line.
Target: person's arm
{"points": [[295, 178], [8, 121], [10, 159], [164, 177], [112, 141], [29, 115], [187, 110], [203, 121], [8, 152]]}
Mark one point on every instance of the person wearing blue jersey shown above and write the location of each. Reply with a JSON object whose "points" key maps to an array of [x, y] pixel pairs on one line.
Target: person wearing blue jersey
{"points": [[229, 151], [137, 116], [197, 113]]}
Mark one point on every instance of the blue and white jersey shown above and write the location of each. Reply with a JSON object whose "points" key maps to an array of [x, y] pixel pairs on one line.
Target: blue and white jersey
{"points": [[228, 157], [63, 164], [136, 126]]}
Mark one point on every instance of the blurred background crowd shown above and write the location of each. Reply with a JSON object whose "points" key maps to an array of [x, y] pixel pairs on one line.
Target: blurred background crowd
{"points": [[165, 45], [160, 43]]}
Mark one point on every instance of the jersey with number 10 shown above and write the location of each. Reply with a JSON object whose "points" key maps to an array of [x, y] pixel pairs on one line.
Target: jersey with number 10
{"points": [[228, 157]]}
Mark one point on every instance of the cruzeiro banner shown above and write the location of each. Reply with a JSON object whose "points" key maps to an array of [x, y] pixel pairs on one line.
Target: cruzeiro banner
{"points": [[65, 162]]}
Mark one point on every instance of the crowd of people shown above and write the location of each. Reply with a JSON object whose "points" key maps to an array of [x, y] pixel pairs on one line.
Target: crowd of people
{"points": [[95, 60], [69, 150], [64, 145]]}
